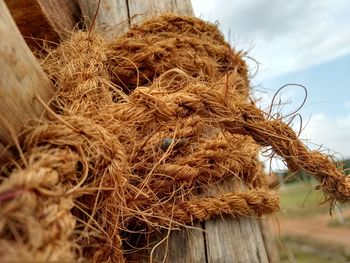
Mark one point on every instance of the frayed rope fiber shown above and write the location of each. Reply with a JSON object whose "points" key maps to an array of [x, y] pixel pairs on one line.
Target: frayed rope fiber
{"points": [[142, 129]]}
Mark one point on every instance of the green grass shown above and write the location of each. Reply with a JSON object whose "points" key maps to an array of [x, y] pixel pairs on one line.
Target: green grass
{"points": [[303, 257], [301, 249], [300, 199], [298, 255]]}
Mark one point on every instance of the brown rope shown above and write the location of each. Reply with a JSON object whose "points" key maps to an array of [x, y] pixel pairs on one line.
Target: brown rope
{"points": [[242, 204], [109, 162]]}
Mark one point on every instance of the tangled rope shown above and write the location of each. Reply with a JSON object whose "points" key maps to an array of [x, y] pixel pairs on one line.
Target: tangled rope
{"points": [[141, 128]]}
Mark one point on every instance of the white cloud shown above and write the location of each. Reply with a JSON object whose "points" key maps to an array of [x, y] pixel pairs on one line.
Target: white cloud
{"points": [[333, 133], [285, 35]]}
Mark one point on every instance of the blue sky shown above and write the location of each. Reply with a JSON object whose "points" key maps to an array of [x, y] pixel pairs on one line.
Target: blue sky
{"points": [[328, 86], [304, 42]]}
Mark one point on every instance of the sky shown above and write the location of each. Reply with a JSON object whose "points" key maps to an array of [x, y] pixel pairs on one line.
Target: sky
{"points": [[301, 42]]}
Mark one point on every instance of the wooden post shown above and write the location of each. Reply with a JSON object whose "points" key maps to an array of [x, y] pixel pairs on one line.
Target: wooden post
{"points": [[139, 10], [115, 16], [229, 239], [270, 239], [21, 81], [220, 240], [112, 18], [44, 20]]}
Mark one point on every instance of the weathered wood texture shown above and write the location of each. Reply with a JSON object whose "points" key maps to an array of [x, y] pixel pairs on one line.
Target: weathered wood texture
{"points": [[21, 80], [139, 10], [267, 225], [184, 245], [115, 16], [112, 18], [227, 239], [233, 240], [223, 239], [44, 20]]}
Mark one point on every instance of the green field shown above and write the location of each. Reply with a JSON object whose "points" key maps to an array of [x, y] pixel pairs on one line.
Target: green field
{"points": [[297, 254], [301, 200]]}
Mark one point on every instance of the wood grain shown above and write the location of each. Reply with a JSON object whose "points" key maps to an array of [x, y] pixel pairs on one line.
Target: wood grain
{"points": [[112, 18], [233, 240], [184, 245], [184, 7], [270, 239], [44, 20], [21, 80], [139, 10]]}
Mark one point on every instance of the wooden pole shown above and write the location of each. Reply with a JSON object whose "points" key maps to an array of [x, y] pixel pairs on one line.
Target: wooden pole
{"points": [[44, 20], [21, 81], [112, 18], [229, 239], [139, 10], [220, 240], [267, 226], [115, 16]]}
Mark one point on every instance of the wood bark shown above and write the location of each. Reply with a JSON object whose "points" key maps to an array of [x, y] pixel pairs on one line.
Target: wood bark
{"points": [[21, 81], [44, 20]]}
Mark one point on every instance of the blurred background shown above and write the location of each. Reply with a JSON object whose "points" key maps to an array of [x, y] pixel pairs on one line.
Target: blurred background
{"points": [[305, 43]]}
